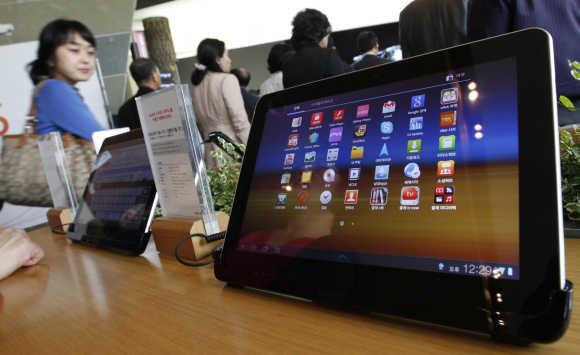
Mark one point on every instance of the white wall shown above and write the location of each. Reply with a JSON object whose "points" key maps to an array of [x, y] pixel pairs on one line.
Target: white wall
{"points": [[250, 22]]}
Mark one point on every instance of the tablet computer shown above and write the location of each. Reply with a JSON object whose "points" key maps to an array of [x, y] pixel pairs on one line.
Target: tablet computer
{"points": [[118, 204], [427, 188]]}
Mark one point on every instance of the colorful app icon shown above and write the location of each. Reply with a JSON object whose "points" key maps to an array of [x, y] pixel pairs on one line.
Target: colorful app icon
{"points": [[329, 175], [382, 172], [289, 159], [316, 119], [293, 140], [351, 197], [332, 154], [313, 137], [447, 119], [445, 168], [338, 115], [449, 96], [379, 196], [389, 106], [414, 146], [410, 195], [285, 179], [384, 151], [360, 130], [354, 173], [302, 197], [447, 142], [415, 123], [325, 197], [296, 122], [386, 127], [306, 177], [418, 101], [444, 194], [412, 171], [335, 134], [362, 111], [357, 152], [281, 199], [310, 157]]}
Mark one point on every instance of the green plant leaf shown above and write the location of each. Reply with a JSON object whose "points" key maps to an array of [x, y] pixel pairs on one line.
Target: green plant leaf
{"points": [[567, 103], [574, 64]]}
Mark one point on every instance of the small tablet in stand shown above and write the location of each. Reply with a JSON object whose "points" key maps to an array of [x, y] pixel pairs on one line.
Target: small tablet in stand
{"points": [[119, 201]]}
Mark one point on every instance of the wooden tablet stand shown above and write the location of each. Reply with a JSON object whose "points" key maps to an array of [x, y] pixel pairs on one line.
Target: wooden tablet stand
{"points": [[59, 219], [167, 232]]}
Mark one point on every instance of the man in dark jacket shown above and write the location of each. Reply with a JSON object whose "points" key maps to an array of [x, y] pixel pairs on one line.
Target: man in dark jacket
{"points": [[146, 75], [313, 59], [561, 18], [429, 25], [250, 99], [368, 45]]}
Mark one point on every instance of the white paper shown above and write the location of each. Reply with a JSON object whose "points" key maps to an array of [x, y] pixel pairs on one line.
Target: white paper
{"points": [[161, 121]]}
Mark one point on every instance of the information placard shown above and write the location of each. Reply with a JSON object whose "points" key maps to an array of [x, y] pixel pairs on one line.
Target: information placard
{"points": [[175, 152]]}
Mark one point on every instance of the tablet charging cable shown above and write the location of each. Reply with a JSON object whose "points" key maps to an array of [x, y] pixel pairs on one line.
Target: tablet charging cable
{"points": [[203, 246]]}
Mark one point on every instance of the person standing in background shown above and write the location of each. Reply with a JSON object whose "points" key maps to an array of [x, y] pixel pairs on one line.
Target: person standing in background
{"points": [[66, 55], [429, 25], [146, 74], [367, 44], [314, 59], [561, 18], [216, 94], [250, 99], [279, 54]]}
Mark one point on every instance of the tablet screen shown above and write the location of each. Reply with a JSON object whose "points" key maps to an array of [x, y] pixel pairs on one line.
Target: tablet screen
{"points": [[118, 200], [419, 174]]}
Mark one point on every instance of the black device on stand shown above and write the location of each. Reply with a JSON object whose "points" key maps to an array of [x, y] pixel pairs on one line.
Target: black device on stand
{"points": [[427, 188], [118, 204]]}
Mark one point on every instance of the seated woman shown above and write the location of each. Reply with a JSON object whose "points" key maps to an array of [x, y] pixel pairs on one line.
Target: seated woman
{"points": [[217, 97], [65, 56], [17, 250]]}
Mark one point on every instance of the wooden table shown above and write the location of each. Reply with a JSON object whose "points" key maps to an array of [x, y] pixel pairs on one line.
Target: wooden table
{"points": [[82, 300]]}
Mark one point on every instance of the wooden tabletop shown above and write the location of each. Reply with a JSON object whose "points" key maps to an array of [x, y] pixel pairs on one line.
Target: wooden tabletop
{"points": [[83, 300]]}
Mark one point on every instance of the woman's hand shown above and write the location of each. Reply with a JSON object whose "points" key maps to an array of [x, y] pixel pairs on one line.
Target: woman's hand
{"points": [[17, 250]]}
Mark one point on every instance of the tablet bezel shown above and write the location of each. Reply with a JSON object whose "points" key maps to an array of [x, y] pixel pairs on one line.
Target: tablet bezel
{"points": [[136, 245], [453, 300]]}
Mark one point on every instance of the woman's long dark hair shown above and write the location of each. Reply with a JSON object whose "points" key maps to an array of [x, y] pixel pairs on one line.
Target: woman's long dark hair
{"points": [[208, 51], [53, 35]]}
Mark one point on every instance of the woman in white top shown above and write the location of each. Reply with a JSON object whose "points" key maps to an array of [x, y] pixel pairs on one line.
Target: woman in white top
{"points": [[279, 53], [216, 94]]}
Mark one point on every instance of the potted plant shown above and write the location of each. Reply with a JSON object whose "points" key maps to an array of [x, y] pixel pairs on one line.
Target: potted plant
{"points": [[223, 180], [570, 165]]}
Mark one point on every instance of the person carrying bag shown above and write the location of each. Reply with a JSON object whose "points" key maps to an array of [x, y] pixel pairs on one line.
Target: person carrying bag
{"points": [[66, 55], [22, 178]]}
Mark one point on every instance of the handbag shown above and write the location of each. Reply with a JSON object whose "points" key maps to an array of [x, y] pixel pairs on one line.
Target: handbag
{"points": [[22, 178]]}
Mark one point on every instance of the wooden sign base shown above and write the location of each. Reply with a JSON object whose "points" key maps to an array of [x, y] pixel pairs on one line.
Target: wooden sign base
{"points": [[59, 219], [167, 232]]}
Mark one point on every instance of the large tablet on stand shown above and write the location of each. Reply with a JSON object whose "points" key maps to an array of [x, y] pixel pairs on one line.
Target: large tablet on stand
{"points": [[427, 188]]}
